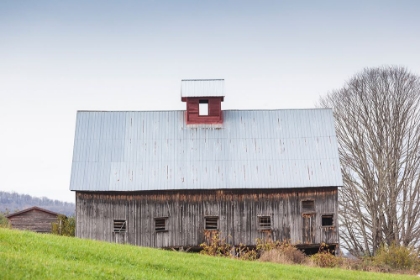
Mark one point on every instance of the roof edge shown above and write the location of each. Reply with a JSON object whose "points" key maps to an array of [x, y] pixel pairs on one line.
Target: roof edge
{"points": [[33, 208], [191, 80], [227, 110], [218, 189]]}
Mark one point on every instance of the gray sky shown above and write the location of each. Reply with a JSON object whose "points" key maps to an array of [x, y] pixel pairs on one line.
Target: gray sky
{"points": [[57, 57]]}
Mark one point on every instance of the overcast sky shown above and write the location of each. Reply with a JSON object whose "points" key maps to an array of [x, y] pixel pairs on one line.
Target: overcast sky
{"points": [[57, 57]]}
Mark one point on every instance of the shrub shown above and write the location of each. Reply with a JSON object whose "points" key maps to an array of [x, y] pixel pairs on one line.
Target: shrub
{"points": [[325, 257], [4, 222], [216, 246], [397, 257], [245, 253], [289, 256], [64, 226], [388, 259], [363, 264], [280, 252], [268, 244]]}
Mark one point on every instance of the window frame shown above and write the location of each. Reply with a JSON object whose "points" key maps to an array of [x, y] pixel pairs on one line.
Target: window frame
{"points": [[264, 227], [203, 110], [329, 216], [304, 210], [161, 229], [123, 228], [207, 218]]}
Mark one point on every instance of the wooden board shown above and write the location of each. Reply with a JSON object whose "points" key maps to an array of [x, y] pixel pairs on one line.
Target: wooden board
{"points": [[237, 210]]}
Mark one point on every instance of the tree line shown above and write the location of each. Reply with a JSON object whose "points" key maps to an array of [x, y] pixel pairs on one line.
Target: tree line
{"points": [[11, 202]]}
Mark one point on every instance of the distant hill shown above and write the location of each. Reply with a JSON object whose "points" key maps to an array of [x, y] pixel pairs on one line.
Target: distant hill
{"points": [[12, 202]]}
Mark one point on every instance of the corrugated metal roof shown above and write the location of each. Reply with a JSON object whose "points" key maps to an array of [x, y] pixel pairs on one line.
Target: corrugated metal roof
{"points": [[129, 151], [201, 88]]}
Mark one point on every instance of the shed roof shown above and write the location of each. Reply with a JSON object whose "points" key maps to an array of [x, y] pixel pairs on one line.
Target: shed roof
{"points": [[31, 209], [203, 88], [134, 151]]}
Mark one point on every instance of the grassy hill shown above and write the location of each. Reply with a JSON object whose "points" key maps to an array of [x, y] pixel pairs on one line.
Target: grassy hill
{"points": [[27, 255]]}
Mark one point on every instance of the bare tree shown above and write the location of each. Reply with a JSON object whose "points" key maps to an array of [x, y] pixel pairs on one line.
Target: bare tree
{"points": [[377, 124]]}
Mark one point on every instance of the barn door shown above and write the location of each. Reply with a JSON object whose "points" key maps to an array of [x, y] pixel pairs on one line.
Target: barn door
{"points": [[308, 228]]}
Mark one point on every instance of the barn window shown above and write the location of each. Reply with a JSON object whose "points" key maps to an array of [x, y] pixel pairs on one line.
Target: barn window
{"points": [[120, 225], [308, 206], [211, 223], [327, 220], [203, 107], [264, 222], [161, 224]]}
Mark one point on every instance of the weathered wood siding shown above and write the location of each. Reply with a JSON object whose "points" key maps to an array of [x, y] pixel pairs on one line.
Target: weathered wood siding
{"points": [[238, 212], [33, 220]]}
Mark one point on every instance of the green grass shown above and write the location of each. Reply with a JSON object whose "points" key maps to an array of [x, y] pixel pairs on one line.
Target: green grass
{"points": [[27, 255]]}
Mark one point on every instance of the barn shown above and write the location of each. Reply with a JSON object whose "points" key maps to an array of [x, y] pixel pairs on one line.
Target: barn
{"points": [[170, 179], [34, 219]]}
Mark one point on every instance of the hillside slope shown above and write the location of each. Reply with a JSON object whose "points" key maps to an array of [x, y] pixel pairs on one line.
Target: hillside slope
{"points": [[28, 255]]}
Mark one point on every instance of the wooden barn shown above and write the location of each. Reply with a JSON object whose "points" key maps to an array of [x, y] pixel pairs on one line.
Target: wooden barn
{"points": [[34, 219], [172, 178]]}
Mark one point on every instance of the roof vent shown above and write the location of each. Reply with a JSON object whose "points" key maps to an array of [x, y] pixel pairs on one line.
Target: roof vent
{"points": [[204, 99]]}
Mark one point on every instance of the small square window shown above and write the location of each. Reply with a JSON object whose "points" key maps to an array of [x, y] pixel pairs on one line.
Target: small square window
{"points": [[211, 223], [308, 206], [203, 107], [264, 222], [327, 220], [120, 225], [161, 224]]}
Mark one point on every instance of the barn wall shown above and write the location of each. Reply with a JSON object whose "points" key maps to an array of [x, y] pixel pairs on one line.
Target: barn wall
{"points": [[34, 220], [237, 210]]}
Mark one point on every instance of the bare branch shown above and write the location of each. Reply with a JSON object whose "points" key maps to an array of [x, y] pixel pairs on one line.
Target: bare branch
{"points": [[377, 117]]}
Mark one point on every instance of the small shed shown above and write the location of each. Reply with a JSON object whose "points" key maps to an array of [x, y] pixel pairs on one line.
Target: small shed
{"points": [[34, 219]]}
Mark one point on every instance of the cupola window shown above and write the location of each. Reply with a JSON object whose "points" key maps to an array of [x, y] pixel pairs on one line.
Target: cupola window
{"points": [[203, 108]]}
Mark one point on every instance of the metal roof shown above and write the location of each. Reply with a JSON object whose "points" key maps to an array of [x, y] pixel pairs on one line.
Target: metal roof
{"points": [[130, 151], [203, 88]]}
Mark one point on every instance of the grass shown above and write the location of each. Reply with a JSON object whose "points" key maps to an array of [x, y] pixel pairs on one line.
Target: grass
{"points": [[28, 255]]}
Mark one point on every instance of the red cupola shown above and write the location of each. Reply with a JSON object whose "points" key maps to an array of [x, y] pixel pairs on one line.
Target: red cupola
{"points": [[204, 100]]}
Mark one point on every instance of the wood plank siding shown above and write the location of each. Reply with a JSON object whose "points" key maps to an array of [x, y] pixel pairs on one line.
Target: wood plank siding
{"points": [[35, 219], [215, 115], [178, 218]]}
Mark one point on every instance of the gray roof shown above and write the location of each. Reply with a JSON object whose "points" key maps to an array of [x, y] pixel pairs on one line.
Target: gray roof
{"points": [[32, 209], [130, 151], [201, 88]]}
